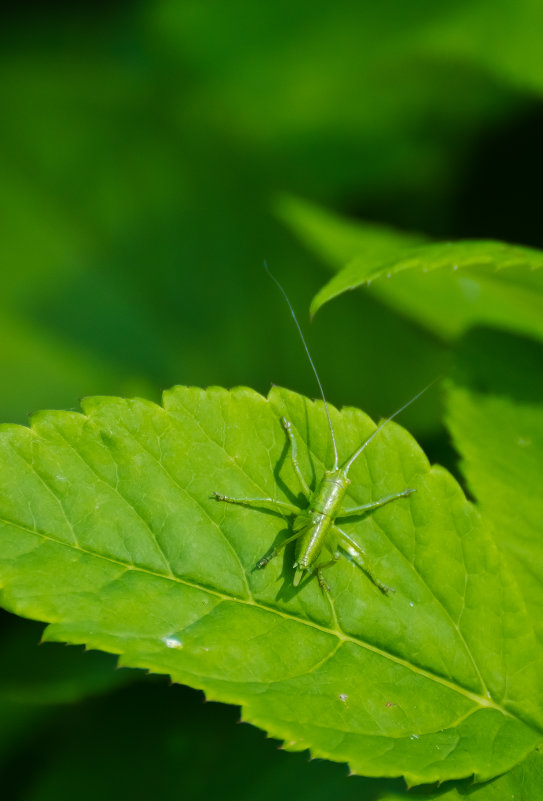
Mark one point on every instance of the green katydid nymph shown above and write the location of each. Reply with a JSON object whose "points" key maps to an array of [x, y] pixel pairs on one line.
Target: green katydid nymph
{"points": [[314, 529]]}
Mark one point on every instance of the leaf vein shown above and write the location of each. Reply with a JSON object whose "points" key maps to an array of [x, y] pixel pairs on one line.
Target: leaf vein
{"points": [[122, 497], [483, 702], [198, 503]]}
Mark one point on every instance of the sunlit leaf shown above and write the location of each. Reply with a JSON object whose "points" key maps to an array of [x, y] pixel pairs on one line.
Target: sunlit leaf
{"points": [[109, 533], [523, 783]]}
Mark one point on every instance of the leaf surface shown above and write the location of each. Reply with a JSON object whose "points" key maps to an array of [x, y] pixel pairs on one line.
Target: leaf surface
{"points": [[108, 531], [523, 783]]}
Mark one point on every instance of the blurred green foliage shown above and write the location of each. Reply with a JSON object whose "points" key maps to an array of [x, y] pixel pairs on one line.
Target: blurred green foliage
{"points": [[143, 147]]}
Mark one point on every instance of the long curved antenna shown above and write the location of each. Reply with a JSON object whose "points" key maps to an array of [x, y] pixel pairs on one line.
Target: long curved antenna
{"points": [[274, 279], [348, 464]]}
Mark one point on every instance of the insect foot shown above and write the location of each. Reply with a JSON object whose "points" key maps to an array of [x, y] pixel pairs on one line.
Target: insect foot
{"points": [[265, 560], [325, 587]]}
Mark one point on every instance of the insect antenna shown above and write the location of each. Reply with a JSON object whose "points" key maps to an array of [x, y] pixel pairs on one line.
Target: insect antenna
{"points": [[276, 282], [348, 464]]}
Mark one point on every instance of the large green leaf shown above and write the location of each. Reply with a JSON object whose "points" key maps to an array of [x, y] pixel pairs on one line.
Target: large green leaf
{"points": [[109, 533], [495, 414]]}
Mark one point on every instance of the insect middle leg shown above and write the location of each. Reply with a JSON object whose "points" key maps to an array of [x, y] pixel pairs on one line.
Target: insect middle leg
{"points": [[368, 507]]}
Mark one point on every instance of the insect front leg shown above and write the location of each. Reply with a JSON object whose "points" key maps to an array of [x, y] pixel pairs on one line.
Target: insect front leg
{"points": [[280, 506], [358, 556], [368, 507], [287, 425]]}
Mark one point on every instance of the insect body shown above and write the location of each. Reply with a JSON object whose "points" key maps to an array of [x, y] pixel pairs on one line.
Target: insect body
{"points": [[319, 521], [320, 542]]}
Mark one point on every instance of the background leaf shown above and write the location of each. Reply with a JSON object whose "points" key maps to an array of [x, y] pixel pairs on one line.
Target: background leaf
{"points": [[338, 240], [447, 286], [36, 682], [200, 746], [497, 284], [110, 534], [495, 415]]}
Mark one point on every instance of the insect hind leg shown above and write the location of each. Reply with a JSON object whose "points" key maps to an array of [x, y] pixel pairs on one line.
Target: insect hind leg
{"points": [[319, 568], [357, 555], [369, 507], [277, 549]]}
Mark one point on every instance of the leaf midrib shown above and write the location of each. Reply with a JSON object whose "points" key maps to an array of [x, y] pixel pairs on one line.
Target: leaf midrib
{"points": [[250, 602], [481, 701]]}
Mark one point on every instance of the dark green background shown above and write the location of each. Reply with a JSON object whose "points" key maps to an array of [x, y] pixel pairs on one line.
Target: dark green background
{"points": [[143, 150]]}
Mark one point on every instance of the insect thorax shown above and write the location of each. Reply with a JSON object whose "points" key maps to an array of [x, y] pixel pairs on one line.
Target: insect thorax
{"points": [[329, 493]]}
